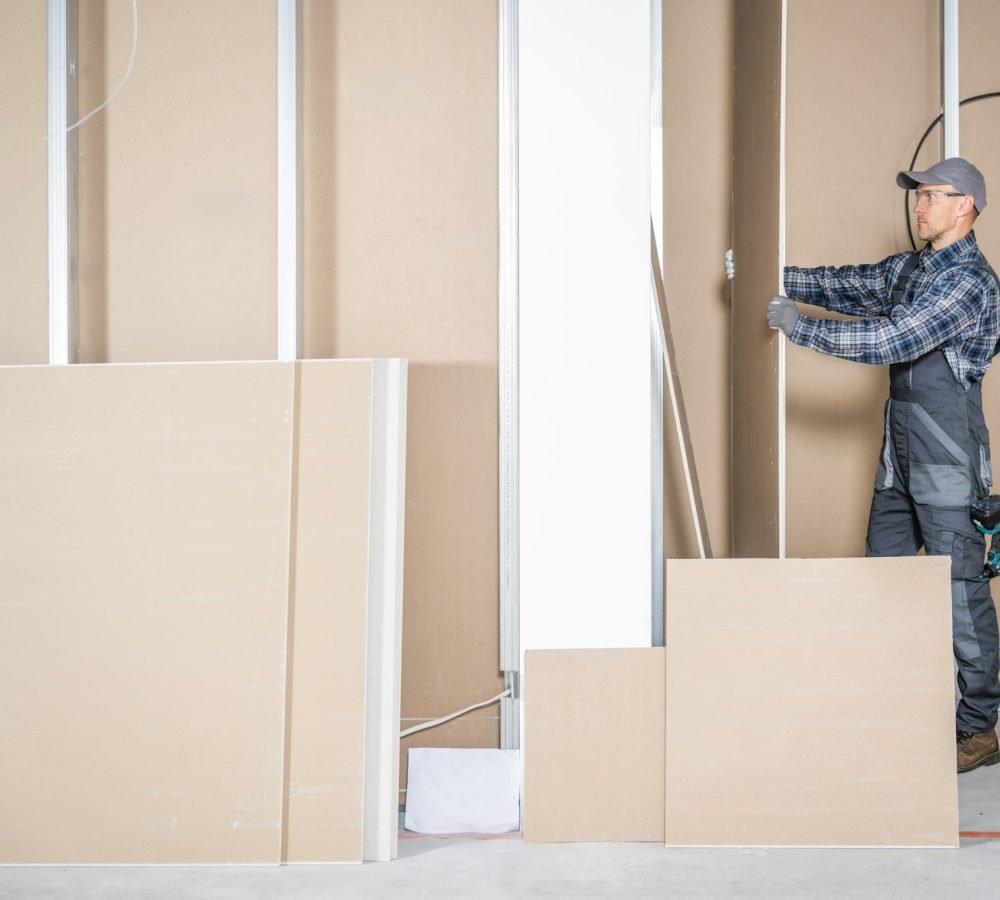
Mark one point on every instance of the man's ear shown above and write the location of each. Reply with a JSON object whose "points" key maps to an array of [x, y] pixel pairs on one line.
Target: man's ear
{"points": [[968, 206]]}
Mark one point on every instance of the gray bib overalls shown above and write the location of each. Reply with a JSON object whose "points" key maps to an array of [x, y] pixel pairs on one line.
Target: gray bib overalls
{"points": [[935, 463]]}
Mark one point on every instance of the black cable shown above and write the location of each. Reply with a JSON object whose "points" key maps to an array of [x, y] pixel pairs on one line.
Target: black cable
{"points": [[916, 153]]}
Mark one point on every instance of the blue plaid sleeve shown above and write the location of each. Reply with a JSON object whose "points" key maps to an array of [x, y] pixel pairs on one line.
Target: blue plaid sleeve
{"points": [[942, 312], [856, 290]]}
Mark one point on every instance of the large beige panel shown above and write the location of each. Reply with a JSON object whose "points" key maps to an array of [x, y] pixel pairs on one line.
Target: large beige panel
{"points": [[820, 665], [23, 182], [177, 182], [843, 206], [400, 144], [144, 523], [697, 164], [756, 190], [593, 745], [326, 699]]}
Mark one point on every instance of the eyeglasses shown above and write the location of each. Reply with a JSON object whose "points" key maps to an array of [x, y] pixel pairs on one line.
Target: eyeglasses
{"points": [[929, 198]]}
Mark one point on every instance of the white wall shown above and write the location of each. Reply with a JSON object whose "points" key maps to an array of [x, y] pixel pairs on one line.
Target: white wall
{"points": [[584, 323]]}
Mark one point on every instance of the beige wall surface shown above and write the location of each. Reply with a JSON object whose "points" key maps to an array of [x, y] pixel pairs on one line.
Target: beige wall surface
{"points": [[23, 182], [144, 523], [400, 223], [697, 213], [178, 207], [756, 191]]}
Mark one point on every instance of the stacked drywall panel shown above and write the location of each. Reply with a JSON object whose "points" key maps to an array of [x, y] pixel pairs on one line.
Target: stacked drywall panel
{"points": [[593, 745], [197, 590], [144, 538], [326, 699], [805, 702], [584, 327]]}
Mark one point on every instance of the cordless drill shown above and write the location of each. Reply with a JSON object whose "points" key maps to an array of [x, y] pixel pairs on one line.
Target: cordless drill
{"points": [[986, 516]]}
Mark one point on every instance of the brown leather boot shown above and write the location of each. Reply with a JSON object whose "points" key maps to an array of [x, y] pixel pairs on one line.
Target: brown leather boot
{"points": [[977, 748]]}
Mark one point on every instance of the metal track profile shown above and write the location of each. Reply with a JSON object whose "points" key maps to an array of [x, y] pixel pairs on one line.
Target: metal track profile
{"points": [[62, 180], [289, 288], [510, 619]]}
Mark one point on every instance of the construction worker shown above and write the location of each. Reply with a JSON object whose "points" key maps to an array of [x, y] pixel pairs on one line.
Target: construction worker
{"points": [[934, 317]]}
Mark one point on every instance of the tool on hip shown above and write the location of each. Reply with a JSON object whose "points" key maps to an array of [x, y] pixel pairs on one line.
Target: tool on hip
{"points": [[986, 517]]}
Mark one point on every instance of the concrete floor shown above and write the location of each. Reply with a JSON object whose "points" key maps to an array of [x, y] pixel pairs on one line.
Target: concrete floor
{"points": [[508, 868]]}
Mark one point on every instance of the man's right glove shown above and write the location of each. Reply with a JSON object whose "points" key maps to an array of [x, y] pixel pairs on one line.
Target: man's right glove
{"points": [[782, 313]]}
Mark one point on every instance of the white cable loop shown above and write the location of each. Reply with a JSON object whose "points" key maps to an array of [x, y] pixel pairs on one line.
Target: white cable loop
{"points": [[117, 90]]}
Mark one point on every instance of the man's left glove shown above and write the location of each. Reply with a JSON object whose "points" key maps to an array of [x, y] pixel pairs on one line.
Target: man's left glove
{"points": [[782, 313]]}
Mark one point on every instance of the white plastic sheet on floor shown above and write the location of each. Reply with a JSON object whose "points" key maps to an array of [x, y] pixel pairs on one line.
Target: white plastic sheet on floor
{"points": [[463, 791]]}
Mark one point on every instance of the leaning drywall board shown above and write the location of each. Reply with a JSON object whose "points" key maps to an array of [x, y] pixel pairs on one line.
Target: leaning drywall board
{"points": [[593, 745], [326, 701], [144, 522], [756, 416], [810, 703]]}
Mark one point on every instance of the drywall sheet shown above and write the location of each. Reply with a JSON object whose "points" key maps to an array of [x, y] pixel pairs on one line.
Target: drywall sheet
{"points": [[698, 142], [326, 695], [810, 702], [144, 524], [584, 324], [23, 183], [178, 181], [593, 745], [756, 252]]}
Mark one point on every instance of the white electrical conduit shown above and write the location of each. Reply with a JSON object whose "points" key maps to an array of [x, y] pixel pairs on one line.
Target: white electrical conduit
{"points": [[117, 90], [425, 725]]}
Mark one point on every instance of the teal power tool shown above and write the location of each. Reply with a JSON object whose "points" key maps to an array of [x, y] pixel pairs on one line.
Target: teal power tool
{"points": [[986, 516]]}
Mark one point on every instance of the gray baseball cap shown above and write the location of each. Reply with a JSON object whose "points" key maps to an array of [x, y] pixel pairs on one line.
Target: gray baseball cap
{"points": [[954, 170]]}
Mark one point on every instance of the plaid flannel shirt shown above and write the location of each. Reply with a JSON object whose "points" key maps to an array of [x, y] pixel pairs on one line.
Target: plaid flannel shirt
{"points": [[951, 303]]}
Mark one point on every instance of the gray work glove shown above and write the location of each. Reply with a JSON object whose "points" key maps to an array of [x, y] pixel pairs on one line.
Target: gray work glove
{"points": [[782, 313]]}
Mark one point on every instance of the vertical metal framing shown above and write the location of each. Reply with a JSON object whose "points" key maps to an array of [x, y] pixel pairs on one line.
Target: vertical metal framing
{"points": [[289, 182], [62, 180], [783, 341], [949, 76], [657, 497], [510, 628]]}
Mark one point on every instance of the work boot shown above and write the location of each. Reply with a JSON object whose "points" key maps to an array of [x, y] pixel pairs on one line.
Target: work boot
{"points": [[977, 748]]}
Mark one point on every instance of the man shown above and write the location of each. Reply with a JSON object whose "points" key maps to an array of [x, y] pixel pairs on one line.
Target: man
{"points": [[934, 317]]}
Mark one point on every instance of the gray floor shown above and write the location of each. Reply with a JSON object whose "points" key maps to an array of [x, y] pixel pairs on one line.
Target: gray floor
{"points": [[509, 868]]}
